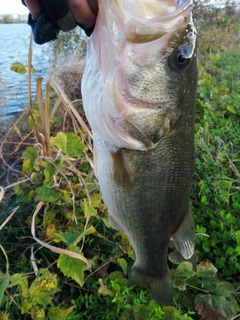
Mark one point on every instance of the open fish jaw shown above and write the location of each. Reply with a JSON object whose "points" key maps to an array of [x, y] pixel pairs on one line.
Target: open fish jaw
{"points": [[154, 8], [139, 95], [155, 18], [117, 49]]}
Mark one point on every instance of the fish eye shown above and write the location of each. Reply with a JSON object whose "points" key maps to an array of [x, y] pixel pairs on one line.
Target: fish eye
{"points": [[179, 58]]}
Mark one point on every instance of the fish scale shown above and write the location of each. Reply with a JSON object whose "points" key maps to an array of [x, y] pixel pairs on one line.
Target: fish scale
{"points": [[139, 99], [143, 201]]}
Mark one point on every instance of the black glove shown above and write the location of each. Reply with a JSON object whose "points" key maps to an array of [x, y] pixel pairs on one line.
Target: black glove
{"points": [[56, 16]]}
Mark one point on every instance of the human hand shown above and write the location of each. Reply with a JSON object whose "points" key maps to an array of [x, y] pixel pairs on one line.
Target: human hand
{"points": [[48, 16], [83, 11]]}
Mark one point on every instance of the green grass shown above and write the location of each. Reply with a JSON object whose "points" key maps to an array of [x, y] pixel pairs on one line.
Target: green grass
{"points": [[74, 218]]}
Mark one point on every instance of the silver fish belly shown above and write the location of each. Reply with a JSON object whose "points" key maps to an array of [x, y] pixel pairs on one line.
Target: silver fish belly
{"points": [[139, 95]]}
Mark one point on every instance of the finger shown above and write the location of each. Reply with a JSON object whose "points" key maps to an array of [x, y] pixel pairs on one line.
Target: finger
{"points": [[34, 8], [82, 13], [94, 6]]}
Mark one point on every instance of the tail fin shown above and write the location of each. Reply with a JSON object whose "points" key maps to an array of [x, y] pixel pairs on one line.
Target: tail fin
{"points": [[160, 288]]}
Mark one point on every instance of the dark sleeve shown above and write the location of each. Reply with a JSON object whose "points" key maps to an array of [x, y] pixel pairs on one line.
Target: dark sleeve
{"points": [[56, 16]]}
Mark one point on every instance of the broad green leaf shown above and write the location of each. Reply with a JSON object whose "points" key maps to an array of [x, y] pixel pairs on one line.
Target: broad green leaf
{"points": [[201, 230], [225, 289], [72, 267], [66, 198], [118, 280], [123, 264], [238, 237], [103, 289], [37, 117], [23, 288], [47, 194], [15, 279], [27, 166], [238, 250], [37, 313], [4, 316], [116, 275], [89, 211], [209, 284], [59, 163], [96, 200], [183, 272], [206, 270], [68, 237], [48, 218], [231, 109], [74, 146], [26, 305], [106, 222], [30, 153], [90, 230], [43, 287], [59, 313], [213, 307], [60, 141], [170, 313], [150, 311], [51, 232], [4, 284], [45, 281], [49, 172], [234, 305]]}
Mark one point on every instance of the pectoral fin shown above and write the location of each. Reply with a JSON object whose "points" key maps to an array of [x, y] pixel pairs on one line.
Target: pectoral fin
{"points": [[184, 236], [123, 171]]}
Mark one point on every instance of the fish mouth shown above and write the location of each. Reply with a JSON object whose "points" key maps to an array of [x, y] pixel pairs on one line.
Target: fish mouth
{"points": [[154, 19]]}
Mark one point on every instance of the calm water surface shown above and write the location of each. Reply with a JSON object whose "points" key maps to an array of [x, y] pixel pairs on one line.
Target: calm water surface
{"points": [[14, 46]]}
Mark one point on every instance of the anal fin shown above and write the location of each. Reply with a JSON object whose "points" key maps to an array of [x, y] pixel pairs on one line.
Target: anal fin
{"points": [[184, 236]]}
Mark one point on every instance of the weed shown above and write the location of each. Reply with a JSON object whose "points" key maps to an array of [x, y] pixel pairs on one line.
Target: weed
{"points": [[50, 197]]}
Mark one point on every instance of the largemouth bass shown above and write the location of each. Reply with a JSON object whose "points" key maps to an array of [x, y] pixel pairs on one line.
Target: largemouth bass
{"points": [[139, 94]]}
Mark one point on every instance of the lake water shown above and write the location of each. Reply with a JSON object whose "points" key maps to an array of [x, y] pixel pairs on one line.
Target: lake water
{"points": [[14, 47]]}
